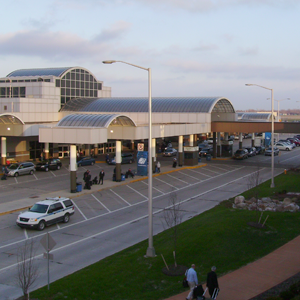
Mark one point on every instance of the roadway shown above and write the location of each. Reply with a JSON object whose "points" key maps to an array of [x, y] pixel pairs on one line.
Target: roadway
{"points": [[112, 217]]}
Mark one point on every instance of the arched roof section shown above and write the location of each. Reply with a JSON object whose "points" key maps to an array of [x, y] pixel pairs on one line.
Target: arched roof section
{"points": [[256, 116], [95, 120], [164, 104], [10, 119]]}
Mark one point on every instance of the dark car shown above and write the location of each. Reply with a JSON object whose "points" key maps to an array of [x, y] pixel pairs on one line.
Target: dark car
{"points": [[170, 152], [251, 151], [240, 154], [127, 158], [49, 164], [260, 149], [205, 151], [85, 161], [268, 151]]}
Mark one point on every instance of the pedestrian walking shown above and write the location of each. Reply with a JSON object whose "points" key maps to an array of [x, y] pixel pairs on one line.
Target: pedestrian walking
{"points": [[212, 282], [101, 176], [191, 277], [174, 162], [87, 179], [5, 173], [158, 167]]}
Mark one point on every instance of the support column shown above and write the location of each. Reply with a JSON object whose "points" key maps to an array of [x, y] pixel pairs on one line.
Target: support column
{"points": [[191, 140], [73, 168], [226, 136], [214, 145], [118, 160], [252, 138], [180, 150], [3, 151], [46, 150], [240, 140], [153, 153], [96, 150], [218, 144], [132, 145]]}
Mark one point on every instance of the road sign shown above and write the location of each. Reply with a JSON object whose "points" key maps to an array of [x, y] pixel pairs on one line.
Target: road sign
{"points": [[48, 240], [140, 147], [48, 255]]}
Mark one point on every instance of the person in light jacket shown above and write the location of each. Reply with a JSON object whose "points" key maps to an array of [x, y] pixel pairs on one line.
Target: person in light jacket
{"points": [[191, 277]]}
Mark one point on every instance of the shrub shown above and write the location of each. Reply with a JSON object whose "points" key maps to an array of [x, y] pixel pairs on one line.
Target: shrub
{"points": [[274, 298], [295, 288], [287, 295]]}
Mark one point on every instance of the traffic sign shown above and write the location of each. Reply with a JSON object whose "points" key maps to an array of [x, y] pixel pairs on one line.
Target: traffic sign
{"points": [[51, 243]]}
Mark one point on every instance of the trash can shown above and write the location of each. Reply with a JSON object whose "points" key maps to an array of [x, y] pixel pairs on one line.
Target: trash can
{"points": [[78, 187], [122, 177], [199, 159], [208, 157]]}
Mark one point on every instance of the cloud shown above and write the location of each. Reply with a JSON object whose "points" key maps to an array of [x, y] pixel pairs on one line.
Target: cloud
{"points": [[116, 31], [248, 51], [207, 47]]}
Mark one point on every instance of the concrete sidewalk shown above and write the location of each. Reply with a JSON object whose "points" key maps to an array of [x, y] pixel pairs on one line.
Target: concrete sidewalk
{"points": [[259, 276]]}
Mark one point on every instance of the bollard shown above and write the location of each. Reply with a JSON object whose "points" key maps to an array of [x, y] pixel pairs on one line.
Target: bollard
{"points": [[285, 171]]}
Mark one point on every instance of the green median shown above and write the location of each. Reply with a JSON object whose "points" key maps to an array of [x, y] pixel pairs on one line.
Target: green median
{"points": [[220, 236]]}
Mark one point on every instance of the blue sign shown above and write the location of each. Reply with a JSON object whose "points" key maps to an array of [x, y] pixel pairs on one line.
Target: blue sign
{"points": [[142, 163], [268, 136]]}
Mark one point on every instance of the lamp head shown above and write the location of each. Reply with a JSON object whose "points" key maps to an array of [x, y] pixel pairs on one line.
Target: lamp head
{"points": [[108, 61], [248, 84]]}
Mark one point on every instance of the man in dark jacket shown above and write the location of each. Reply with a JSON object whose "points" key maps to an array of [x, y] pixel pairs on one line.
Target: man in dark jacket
{"points": [[212, 281], [101, 176]]}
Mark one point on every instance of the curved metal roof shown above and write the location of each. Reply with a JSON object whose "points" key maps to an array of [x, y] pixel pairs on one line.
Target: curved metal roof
{"points": [[159, 104], [256, 116], [9, 119], [39, 72], [95, 120]]}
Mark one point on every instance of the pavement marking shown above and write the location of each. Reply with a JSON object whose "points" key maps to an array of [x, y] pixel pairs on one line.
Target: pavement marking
{"points": [[26, 234], [80, 211], [191, 176], [100, 202], [201, 173], [178, 179], [154, 188], [137, 191], [213, 166], [166, 183], [58, 227], [35, 176], [209, 170], [120, 197], [52, 173], [16, 179], [290, 158]]}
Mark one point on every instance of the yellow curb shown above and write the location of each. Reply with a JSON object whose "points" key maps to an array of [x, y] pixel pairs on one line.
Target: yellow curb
{"points": [[219, 158], [12, 211], [100, 161]]}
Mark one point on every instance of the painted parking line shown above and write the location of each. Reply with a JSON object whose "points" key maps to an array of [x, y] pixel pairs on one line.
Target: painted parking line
{"points": [[16, 179], [213, 166], [100, 202], [79, 210], [201, 173], [199, 180], [178, 179], [26, 234], [52, 173], [162, 193], [35, 176], [120, 197], [166, 183], [136, 191]]}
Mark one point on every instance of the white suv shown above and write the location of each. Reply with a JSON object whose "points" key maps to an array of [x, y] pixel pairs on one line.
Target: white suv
{"points": [[47, 212]]}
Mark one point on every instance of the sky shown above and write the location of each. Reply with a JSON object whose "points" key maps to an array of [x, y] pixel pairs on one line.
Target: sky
{"points": [[195, 48]]}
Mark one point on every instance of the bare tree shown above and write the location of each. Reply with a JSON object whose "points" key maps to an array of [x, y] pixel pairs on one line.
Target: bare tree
{"points": [[173, 217], [27, 269]]}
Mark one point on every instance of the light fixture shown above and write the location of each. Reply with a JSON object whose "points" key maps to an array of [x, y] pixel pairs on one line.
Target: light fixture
{"points": [[8, 128]]}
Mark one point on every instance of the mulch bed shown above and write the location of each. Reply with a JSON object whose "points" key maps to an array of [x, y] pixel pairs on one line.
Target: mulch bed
{"points": [[174, 271]]}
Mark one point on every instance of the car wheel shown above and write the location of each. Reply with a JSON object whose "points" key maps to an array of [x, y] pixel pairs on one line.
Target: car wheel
{"points": [[66, 218], [287, 149], [41, 225], [92, 163], [31, 172], [46, 169], [58, 167], [16, 174], [79, 165]]}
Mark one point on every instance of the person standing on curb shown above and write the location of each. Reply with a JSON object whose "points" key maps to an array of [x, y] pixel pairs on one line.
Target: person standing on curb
{"points": [[191, 277], [212, 281], [158, 167], [101, 176]]}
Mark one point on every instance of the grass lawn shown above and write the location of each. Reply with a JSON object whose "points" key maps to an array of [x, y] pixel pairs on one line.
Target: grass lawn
{"points": [[218, 237]]}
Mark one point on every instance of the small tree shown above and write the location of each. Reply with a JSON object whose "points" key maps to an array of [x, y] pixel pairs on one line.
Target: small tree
{"points": [[27, 270], [173, 217]]}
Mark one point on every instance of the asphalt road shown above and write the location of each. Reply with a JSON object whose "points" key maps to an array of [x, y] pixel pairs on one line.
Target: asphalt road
{"points": [[111, 219]]}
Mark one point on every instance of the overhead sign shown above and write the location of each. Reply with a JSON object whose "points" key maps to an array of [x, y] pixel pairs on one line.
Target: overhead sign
{"points": [[140, 147], [191, 148]]}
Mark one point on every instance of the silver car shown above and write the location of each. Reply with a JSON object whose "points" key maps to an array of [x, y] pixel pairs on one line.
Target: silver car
{"points": [[21, 169]]}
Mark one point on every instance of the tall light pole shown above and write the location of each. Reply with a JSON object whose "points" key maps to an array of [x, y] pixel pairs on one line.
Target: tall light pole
{"points": [[272, 135], [278, 101], [150, 251]]}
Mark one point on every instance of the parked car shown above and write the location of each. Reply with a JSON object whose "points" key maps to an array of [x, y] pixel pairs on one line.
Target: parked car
{"points": [[284, 146], [85, 161], [47, 212], [205, 151], [247, 136], [287, 142], [236, 137], [127, 158], [201, 146], [211, 140], [170, 152], [295, 141], [268, 151], [240, 154], [251, 151], [21, 169], [49, 164], [260, 149]]}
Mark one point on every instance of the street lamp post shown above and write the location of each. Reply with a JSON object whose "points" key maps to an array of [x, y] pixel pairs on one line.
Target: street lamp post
{"points": [[150, 251], [278, 101], [272, 135]]}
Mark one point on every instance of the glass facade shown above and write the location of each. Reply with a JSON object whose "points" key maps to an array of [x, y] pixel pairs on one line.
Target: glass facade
{"points": [[78, 83], [13, 92]]}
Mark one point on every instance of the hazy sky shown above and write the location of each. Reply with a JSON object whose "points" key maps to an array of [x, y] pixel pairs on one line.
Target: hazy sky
{"points": [[193, 47]]}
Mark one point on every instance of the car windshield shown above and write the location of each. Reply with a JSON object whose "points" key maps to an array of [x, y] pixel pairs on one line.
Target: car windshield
{"points": [[39, 208], [13, 166]]}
